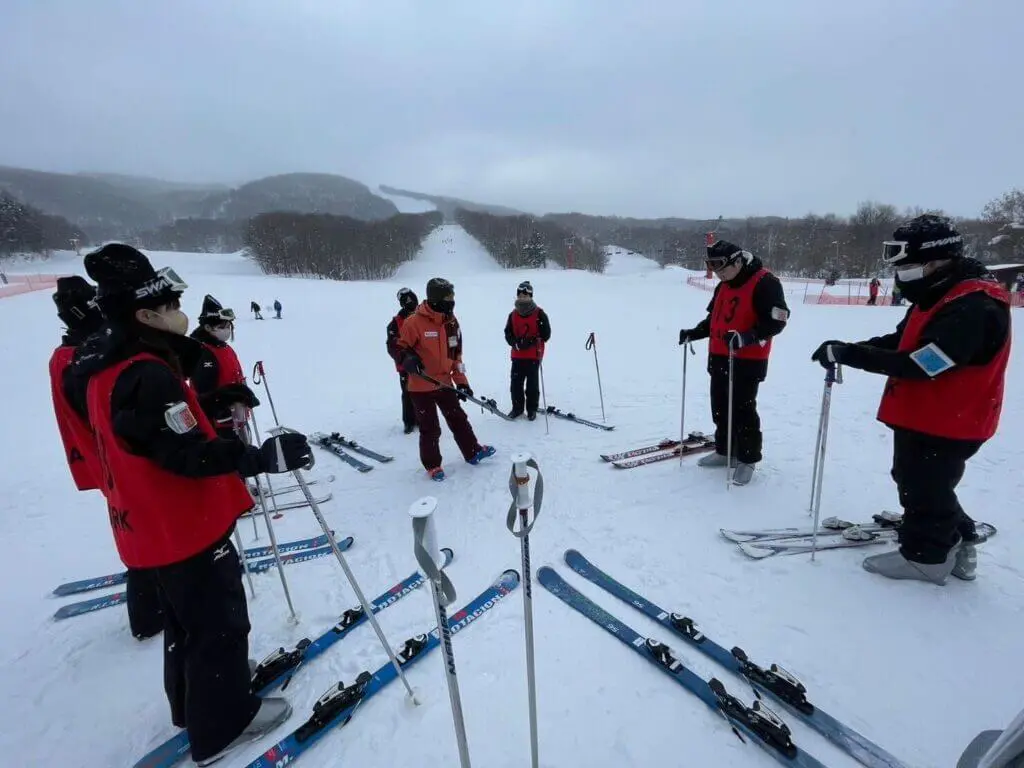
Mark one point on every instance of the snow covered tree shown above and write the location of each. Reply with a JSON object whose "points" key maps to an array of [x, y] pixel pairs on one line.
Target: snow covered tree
{"points": [[535, 252]]}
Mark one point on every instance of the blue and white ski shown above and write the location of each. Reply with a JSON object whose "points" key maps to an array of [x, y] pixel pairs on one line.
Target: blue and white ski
{"points": [[328, 445], [774, 681], [276, 670], [340, 702], [338, 439], [115, 579], [758, 723], [258, 566]]}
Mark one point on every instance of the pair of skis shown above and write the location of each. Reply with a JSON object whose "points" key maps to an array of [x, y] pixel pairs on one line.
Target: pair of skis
{"points": [[696, 442], [257, 566], [278, 667], [833, 533], [340, 446], [552, 411], [757, 723]]}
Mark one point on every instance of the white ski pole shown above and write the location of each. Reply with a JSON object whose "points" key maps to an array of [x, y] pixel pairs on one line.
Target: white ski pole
{"points": [[728, 439], [522, 502], [833, 375], [430, 560], [592, 344], [544, 399], [687, 348], [259, 376], [270, 531]]}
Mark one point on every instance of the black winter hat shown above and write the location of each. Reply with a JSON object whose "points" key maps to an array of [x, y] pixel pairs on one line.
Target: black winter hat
{"points": [[76, 304], [723, 252], [438, 289], [525, 287], [407, 297], [126, 281], [922, 239], [214, 313]]}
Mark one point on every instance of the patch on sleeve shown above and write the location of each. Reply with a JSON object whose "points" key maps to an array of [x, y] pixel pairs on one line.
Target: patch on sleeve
{"points": [[932, 360], [780, 313], [180, 419]]}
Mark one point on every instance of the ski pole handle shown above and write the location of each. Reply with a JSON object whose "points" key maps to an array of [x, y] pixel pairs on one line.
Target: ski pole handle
{"points": [[258, 374], [426, 549], [523, 498], [591, 341], [834, 374]]}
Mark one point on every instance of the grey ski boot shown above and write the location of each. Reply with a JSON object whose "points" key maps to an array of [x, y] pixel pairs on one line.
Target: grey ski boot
{"points": [[966, 563], [713, 460], [272, 712], [742, 474], [893, 565]]}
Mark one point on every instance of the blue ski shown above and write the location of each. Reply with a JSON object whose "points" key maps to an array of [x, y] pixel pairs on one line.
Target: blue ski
{"points": [[328, 445], [338, 439], [758, 723], [339, 702], [276, 670], [115, 579], [774, 681], [573, 417], [118, 598]]}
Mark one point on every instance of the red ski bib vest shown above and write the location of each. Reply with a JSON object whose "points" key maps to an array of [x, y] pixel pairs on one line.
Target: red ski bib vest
{"points": [[399, 322], [229, 370], [963, 403], [734, 311], [526, 327], [158, 517], [75, 432]]}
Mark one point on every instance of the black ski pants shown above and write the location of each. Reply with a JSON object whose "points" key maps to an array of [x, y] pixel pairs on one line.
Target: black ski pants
{"points": [[927, 471], [525, 373], [206, 647], [746, 424], [145, 614], [408, 411]]}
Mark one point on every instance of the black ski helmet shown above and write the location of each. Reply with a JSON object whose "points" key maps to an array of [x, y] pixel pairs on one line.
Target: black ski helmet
{"points": [[438, 289], [407, 297], [922, 239], [76, 304]]}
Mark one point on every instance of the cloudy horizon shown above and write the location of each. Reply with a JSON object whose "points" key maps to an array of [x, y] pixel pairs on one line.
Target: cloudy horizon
{"points": [[663, 109]]}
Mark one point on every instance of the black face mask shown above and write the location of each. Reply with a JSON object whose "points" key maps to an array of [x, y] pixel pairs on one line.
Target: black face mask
{"points": [[916, 291], [444, 306]]}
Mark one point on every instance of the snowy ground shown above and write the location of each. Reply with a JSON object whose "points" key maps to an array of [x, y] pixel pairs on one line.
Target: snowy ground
{"points": [[920, 669]]}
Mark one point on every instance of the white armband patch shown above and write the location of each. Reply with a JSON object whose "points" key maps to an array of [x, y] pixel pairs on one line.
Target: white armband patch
{"points": [[180, 419], [932, 360], [780, 313]]}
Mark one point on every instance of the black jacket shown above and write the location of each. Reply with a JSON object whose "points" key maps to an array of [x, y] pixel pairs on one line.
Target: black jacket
{"points": [[142, 394], [768, 296], [970, 330], [206, 373], [392, 340]]}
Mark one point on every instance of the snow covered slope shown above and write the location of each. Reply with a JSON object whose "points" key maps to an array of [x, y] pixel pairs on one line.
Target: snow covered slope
{"points": [[919, 669]]}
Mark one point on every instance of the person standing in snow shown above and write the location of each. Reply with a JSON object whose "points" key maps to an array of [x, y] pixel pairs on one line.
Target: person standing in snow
{"points": [[217, 377], [946, 367], [174, 494], [255, 309], [873, 287], [747, 309], [431, 345], [277, 308], [407, 302], [76, 307], [527, 331]]}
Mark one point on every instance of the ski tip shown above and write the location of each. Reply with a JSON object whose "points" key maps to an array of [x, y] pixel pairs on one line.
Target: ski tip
{"points": [[571, 554], [345, 543], [758, 553]]}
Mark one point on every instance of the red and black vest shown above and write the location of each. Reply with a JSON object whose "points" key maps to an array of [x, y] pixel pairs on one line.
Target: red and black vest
{"points": [[527, 327], [734, 311], [158, 517], [963, 403], [229, 370], [399, 322], [75, 432]]}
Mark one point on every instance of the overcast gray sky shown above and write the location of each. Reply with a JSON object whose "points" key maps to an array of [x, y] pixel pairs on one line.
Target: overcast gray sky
{"points": [[642, 108]]}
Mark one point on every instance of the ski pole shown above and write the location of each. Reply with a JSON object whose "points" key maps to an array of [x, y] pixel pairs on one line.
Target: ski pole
{"points": [[544, 400], [592, 344], [270, 530], [522, 502], [430, 560], [687, 347], [367, 608], [833, 375], [728, 439], [259, 376]]}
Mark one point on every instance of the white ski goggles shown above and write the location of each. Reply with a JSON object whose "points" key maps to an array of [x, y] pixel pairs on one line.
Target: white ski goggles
{"points": [[895, 251], [166, 279], [224, 315]]}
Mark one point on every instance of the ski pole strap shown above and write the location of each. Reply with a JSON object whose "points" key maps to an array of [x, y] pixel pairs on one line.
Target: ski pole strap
{"points": [[446, 590], [258, 374], [591, 341], [538, 497]]}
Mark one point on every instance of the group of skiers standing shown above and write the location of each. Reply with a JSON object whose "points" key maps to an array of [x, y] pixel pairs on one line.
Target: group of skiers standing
{"points": [[945, 366], [425, 342], [155, 421]]}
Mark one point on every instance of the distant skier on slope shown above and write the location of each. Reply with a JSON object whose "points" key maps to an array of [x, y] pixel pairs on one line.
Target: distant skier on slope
{"points": [[747, 309], [174, 494], [407, 301], [277, 308], [527, 331], [873, 287], [217, 377], [255, 309], [946, 363], [431, 344], [77, 309]]}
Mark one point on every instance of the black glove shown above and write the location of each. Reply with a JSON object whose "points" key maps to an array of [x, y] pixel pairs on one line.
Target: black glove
{"points": [[237, 393], [684, 335], [285, 452], [412, 363], [464, 389], [829, 353], [739, 339]]}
